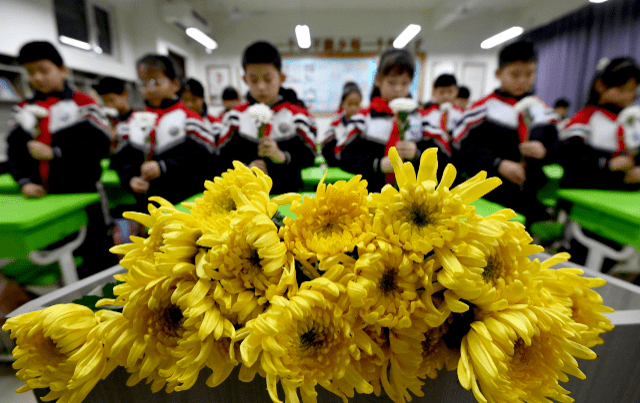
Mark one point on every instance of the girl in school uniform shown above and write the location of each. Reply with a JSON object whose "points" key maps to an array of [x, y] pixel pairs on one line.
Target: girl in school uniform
{"points": [[600, 144], [349, 106], [373, 131], [165, 150]]}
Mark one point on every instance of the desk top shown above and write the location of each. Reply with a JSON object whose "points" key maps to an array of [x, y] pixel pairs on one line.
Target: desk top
{"points": [[618, 203], [553, 171], [110, 177], [8, 185], [19, 213], [313, 175]]}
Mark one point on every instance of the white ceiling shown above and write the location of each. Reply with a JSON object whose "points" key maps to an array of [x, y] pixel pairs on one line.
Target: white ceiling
{"points": [[454, 25]]}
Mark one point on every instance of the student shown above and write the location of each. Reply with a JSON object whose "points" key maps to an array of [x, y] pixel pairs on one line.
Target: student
{"points": [[373, 131], [599, 147], [349, 105], [445, 89], [230, 99], [193, 98], [167, 150], [56, 142], [561, 107], [288, 144], [115, 95], [462, 100], [495, 136]]}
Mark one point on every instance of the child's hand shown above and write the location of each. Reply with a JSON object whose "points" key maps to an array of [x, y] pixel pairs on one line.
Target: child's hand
{"points": [[259, 164], [385, 165], [406, 149], [533, 149], [139, 185], [33, 190], [512, 171], [269, 149], [633, 175], [150, 170], [40, 151], [622, 163]]}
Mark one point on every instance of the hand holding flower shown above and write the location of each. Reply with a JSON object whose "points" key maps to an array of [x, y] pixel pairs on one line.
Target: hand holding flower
{"points": [[269, 149]]}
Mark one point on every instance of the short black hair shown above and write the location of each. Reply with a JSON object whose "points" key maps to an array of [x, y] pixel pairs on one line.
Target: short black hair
{"points": [[349, 88], [561, 103], [262, 52], [39, 50], [613, 73], [110, 85], [230, 94], [463, 92], [521, 51], [167, 64], [193, 86], [396, 61], [445, 80]]}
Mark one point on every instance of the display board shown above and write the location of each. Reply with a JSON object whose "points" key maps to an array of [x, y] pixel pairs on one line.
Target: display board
{"points": [[318, 80]]}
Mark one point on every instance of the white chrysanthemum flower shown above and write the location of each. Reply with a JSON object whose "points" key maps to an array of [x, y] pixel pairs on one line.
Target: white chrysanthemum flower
{"points": [[525, 104], [446, 107], [146, 120], [629, 115], [260, 113], [37, 110], [110, 112], [403, 105]]}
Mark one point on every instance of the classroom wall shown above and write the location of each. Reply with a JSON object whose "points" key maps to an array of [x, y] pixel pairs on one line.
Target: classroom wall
{"points": [[139, 29]]}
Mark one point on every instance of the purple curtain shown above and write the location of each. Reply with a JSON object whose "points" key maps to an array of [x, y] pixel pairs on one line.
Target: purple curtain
{"points": [[569, 48]]}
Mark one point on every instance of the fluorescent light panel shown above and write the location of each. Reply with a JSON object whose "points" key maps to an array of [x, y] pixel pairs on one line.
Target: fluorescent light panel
{"points": [[597, 1], [501, 37], [204, 39], [406, 36], [74, 42], [303, 35]]}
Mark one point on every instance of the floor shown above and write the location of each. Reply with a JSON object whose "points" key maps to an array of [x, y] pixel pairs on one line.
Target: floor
{"points": [[9, 383]]}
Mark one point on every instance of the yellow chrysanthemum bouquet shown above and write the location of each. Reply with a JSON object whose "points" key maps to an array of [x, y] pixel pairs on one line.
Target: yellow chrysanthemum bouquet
{"points": [[360, 293]]}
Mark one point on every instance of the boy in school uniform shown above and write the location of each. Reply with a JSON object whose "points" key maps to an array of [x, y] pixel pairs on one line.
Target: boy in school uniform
{"points": [[462, 100], [56, 142], [441, 116], [286, 145], [115, 96], [230, 99], [510, 134], [193, 99]]}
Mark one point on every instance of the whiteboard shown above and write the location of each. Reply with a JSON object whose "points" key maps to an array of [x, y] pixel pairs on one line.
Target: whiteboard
{"points": [[318, 81]]}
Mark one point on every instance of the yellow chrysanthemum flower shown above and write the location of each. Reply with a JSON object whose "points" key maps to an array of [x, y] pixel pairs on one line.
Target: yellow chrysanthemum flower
{"points": [[167, 328], [57, 349], [303, 341], [435, 352], [504, 357], [334, 221], [217, 205], [424, 215], [385, 285], [250, 262], [374, 354], [574, 291], [505, 274]]}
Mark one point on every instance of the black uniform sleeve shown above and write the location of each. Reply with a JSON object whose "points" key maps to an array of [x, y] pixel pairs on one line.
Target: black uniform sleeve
{"points": [[126, 161], [478, 152], [586, 167], [548, 136], [22, 166]]}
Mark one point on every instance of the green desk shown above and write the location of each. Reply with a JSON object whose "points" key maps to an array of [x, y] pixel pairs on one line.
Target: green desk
{"points": [[8, 185], [29, 225], [548, 195], [116, 194], [312, 176], [614, 215], [319, 161]]}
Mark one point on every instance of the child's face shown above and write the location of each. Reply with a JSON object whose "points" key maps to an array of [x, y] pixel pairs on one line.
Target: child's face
{"points": [[193, 102], [156, 86], [445, 94], [622, 96], [561, 111], [230, 103], [45, 76], [517, 78], [394, 86], [264, 82], [462, 102], [120, 102], [351, 104]]}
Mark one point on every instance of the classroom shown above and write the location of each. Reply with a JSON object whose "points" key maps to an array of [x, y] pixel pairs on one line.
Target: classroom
{"points": [[373, 201]]}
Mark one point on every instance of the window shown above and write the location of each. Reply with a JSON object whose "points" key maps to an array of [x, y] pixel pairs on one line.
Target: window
{"points": [[84, 25]]}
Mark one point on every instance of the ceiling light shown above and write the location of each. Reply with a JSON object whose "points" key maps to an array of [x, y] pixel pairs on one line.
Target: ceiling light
{"points": [[204, 39], [303, 35], [501, 37], [98, 50], [597, 1], [406, 36], [74, 42]]}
